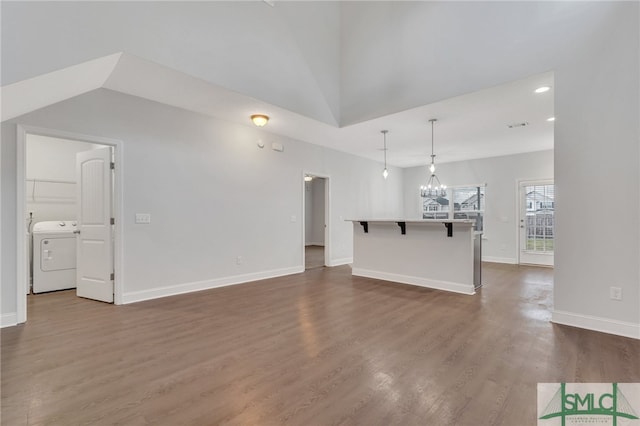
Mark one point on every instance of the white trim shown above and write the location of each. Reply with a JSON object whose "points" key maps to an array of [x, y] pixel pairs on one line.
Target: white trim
{"points": [[172, 290], [419, 281], [21, 258], [492, 259], [8, 320], [603, 325], [342, 261]]}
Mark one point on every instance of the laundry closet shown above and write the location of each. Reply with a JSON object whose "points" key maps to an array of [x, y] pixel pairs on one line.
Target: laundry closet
{"points": [[51, 195]]}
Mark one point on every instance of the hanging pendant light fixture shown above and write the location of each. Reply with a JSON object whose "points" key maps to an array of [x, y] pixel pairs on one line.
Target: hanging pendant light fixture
{"points": [[433, 188], [385, 172]]}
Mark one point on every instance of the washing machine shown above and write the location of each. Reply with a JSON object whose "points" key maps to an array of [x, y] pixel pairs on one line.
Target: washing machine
{"points": [[54, 255]]}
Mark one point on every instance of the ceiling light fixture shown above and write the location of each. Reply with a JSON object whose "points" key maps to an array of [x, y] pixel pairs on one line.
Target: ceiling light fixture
{"points": [[433, 188], [385, 172], [308, 178], [260, 119], [551, 119], [543, 89]]}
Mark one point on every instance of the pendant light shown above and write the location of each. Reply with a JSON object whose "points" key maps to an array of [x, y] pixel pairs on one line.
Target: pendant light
{"points": [[433, 188], [385, 172]]}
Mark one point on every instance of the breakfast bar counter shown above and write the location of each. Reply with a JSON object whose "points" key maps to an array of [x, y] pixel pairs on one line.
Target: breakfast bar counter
{"points": [[434, 253]]}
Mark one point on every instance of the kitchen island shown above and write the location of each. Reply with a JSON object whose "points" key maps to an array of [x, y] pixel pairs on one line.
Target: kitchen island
{"points": [[434, 253]]}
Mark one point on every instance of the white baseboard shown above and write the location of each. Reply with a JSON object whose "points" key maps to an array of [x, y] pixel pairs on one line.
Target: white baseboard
{"points": [[339, 262], [8, 320], [156, 293], [509, 260], [603, 325], [422, 282]]}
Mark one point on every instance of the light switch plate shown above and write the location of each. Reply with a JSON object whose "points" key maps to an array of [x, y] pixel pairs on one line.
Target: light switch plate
{"points": [[143, 218]]}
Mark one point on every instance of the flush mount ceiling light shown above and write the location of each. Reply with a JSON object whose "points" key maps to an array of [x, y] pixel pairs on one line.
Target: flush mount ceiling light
{"points": [[260, 119], [433, 188], [542, 89], [385, 172], [551, 119], [308, 178]]}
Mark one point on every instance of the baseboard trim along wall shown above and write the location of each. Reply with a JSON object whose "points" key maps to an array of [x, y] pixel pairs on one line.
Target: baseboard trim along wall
{"points": [[603, 325], [422, 282], [8, 320], [173, 290], [340, 262], [509, 260]]}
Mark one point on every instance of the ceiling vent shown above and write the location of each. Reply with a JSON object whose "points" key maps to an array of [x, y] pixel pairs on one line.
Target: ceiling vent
{"points": [[515, 125]]}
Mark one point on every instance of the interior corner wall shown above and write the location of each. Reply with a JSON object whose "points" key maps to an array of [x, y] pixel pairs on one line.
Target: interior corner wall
{"points": [[597, 139], [308, 213], [212, 193], [8, 294], [501, 175], [317, 205]]}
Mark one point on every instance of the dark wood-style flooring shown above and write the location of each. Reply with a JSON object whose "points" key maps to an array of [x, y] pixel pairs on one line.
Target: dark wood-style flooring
{"points": [[318, 348]]}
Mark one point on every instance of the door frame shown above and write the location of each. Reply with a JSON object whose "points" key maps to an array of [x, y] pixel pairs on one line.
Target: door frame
{"points": [[519, 186], [21, 209], [327, 216]]}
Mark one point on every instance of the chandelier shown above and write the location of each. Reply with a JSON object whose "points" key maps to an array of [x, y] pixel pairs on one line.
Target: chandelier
{"points": [[433, 188]]}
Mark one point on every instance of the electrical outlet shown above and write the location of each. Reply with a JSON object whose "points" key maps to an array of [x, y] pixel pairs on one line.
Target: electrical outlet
{"points": [[615, 293], [144, 218], [239, 260]]}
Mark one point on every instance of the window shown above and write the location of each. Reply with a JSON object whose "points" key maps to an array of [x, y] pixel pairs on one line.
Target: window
{"points": [[467, 201]]}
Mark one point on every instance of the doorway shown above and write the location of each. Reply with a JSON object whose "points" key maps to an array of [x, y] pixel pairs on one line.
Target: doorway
{"points": [[536, 225], [49, 196], [315, 224]]}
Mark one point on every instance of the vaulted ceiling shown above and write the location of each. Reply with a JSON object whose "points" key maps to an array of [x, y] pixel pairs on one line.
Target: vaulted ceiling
{"points": [[330, 73]]}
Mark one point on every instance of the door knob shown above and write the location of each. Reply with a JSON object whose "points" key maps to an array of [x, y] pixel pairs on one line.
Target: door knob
{"points": [[76, 231]]}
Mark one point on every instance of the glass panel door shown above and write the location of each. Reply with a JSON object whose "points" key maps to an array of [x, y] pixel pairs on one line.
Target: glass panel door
{"points": [[537, 204]]}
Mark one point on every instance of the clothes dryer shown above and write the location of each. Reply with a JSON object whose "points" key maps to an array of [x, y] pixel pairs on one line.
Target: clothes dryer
{"points": [[54, 256]]}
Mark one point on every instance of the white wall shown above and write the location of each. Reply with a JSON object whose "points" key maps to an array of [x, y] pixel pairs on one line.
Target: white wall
{"points": [[308, 212], [501, 174], [317, 205], [212, 194], [597, 140], [314, 212]]}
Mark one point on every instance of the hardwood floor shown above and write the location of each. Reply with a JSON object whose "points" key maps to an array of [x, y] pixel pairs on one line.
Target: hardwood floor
{"points": [[319, 348]]}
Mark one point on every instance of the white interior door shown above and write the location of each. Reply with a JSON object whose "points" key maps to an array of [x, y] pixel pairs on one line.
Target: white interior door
{"points": [[94, 242], [537, 208]]}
